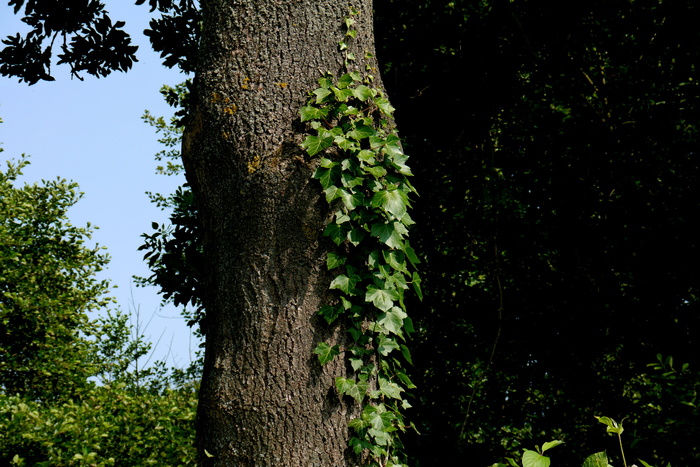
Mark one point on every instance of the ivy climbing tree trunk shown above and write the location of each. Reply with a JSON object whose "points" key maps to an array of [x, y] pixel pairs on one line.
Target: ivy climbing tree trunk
{"points": [[265, 400]]}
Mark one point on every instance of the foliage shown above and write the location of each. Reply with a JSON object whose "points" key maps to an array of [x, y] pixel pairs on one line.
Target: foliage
{"points": [[554, 219], [666, 408], [363, 174], [107, 425], [599, 459], [47, 289], [174, 251], [138, 414], [176, 33], [88, 39], [170, 131], [52, 411]]}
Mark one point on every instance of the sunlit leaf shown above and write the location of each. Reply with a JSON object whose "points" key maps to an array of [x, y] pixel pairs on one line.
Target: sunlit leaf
{"points": [[551, 444], [382, 299], [599, 459], [535, 459], [392, 320]]}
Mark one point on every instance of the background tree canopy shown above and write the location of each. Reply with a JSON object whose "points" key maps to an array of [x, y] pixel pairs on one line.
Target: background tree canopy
{"points": [[47, 289], [74, 388], [555, 148]]}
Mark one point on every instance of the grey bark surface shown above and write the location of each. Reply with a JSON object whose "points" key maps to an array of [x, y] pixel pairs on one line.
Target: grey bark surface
{"points": [[265, 400]]}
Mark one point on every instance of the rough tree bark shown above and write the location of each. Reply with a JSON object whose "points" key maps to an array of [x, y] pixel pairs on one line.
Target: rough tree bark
{"points": [[265, 400]]}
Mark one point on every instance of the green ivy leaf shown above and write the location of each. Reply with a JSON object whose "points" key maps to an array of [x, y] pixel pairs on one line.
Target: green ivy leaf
{"points": [[385, 345], [334, 260], [345, 81], [381, 437], [376, 142], [393, 201], [314, 144], [358, 424], [408, 326], [398, 280], [392, 320], [376, 171], [355, 236], [355, 333], [416, 285], [350, 181], [312, 113], [332, 193], [362, 92], [396, 259], [348, 165], [337, 233], [343, 143], [329, 313], [366, 156], [322, 95], [399, 161], [356, 363], [325, 352], [373, 259], [344, 283], [382, 299], [391, 233], [392, 146], [389, 388], [326, 163], [406, 220], [384, 105], [372, 415], [356, 390], [411, 255], [342, 94], [326, 81], [360, 132], [351, 200], [404, 378]]}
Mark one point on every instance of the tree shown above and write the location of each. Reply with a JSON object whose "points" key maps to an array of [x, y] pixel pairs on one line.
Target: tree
{"points": [[127, 412], [73, 388], [47, 290], [263, 399]]}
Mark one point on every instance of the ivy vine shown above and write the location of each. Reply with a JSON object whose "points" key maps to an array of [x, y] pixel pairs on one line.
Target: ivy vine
{"points": [[364, 176]]}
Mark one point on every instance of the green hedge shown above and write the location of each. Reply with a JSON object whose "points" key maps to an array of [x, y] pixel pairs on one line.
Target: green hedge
{"points": [[107, 426]]}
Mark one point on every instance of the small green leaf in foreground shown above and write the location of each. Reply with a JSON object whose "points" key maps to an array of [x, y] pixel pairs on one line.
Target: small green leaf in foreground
{"points": [[599, 459], [534, 459]]}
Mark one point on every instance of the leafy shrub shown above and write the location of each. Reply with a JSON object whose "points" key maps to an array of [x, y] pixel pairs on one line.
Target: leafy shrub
{"points": [[107, 425]]}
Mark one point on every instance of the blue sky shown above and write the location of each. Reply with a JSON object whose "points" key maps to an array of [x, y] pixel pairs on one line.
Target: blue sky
{"points": [[91, 132]]}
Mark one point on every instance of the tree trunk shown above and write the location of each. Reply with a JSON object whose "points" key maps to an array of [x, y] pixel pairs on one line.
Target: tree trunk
{"points": [[265, 400]]}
